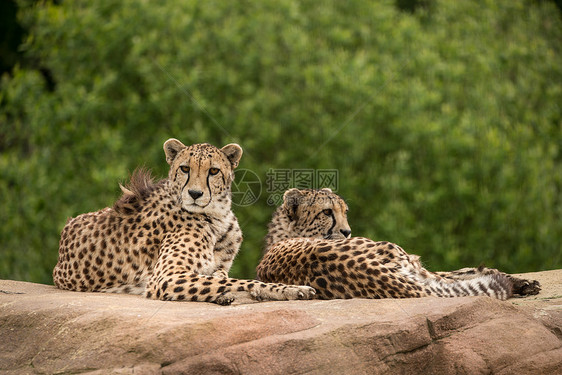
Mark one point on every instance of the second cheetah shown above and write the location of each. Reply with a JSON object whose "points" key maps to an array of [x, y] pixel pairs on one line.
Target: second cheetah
{"points": [[309, 243]]}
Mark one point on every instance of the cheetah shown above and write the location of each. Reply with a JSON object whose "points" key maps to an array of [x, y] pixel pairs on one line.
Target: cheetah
{"points": [[174, 239], [309, 243]]}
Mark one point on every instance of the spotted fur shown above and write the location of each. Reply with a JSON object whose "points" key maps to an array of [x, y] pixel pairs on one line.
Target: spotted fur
{"points": [[174, 239], [303, 247]]}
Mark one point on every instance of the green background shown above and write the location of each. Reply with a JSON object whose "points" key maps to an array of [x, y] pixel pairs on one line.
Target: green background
{"points": [[442, 118]]}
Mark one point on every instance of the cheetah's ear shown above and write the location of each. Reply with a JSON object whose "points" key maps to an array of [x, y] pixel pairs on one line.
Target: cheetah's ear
{"points": [[327, 190], [233, 152], [291, 199], [172, 147]]}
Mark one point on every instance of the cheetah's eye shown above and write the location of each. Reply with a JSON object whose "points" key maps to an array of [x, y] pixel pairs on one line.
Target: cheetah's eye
{"points": [[327, 211], [184, 169], [213, 171]]}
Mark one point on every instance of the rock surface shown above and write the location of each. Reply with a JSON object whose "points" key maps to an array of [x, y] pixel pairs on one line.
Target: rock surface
{"points": [[47, 331]]}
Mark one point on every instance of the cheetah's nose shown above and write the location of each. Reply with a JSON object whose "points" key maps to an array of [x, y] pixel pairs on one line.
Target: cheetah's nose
{"points": [[346, 232], [195, 193]]}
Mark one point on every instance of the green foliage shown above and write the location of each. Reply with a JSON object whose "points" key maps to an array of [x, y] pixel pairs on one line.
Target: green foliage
{"points": [[444, 121]]}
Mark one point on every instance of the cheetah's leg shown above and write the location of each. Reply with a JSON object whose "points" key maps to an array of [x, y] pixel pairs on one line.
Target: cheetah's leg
{"points": [[177, 276], [188, 286], [226, 248]]}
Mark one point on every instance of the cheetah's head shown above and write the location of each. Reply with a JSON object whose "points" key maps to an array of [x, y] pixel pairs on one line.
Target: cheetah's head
{"points": [[202, 174], [316, 214]]}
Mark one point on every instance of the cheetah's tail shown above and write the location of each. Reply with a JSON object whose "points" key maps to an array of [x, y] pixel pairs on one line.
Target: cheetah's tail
{"points": [[497, 286]]}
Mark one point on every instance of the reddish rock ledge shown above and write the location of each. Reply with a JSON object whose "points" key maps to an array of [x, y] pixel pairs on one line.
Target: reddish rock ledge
{"points": [[44, 330]]}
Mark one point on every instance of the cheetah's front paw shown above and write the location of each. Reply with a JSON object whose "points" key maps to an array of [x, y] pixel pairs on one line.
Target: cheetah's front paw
{"points": [[225, 299], [221, 274], [283, 293], [299, 292]]}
